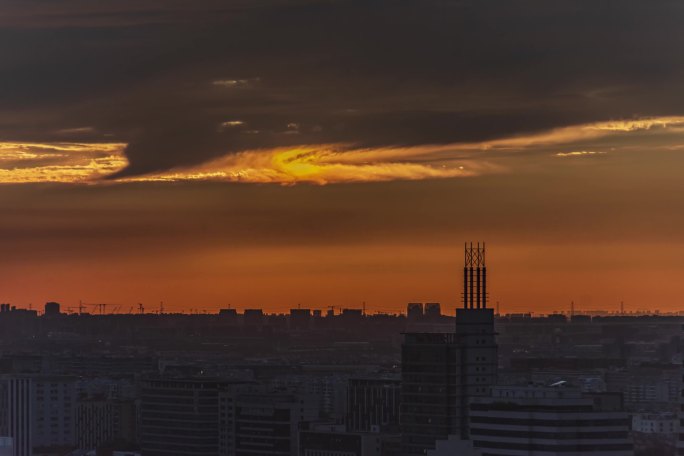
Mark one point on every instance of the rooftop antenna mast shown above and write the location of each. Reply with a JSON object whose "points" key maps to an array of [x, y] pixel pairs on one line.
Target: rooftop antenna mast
{"points": [[474, 277]]}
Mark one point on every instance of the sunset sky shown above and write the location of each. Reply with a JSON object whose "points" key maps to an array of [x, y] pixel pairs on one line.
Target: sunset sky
{"points": [[275, 153]]}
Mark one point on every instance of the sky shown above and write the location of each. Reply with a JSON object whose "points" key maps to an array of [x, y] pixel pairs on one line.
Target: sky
{"points": [[315, 153]]}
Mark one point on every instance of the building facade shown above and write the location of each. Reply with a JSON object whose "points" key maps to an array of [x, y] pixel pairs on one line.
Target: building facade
{"points": [[441, 372], [373, 403], [534, 420], [180, 417], [38, 412], [269, 423]]}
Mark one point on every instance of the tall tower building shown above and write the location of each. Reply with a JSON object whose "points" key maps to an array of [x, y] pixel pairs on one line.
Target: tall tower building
{"points": [[441, 372]]}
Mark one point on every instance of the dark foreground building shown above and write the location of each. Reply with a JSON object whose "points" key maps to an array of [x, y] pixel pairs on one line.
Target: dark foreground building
{"points": [[179, 417], [556, 420], [442, 371]]}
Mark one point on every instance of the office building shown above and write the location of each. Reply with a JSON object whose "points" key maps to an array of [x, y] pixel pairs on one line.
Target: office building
{"points": [[373, 403], [269, 422], [549, 420], [94, 423], [38, 412], [441, 372], [180, 417]]}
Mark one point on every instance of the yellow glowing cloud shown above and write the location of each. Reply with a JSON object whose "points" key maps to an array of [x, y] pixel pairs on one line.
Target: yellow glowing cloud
{"points": [[575, 133], [321, 165], [59, 162], [638, 124], [339, 164]]}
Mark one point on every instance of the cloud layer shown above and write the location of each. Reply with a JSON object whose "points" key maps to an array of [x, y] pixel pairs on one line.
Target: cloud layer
{"points": [[185, 83], [93, 163]]}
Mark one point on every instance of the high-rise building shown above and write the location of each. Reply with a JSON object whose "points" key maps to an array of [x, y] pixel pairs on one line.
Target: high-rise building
{"points": [[373, 403], [268, 423], [441, 372], [94, 423], [180, 417], [38, 412], [556, 420]]}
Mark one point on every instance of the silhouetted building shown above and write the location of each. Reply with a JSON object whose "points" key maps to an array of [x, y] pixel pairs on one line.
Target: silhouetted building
{"points": [[269, 423], [52, 309], [253, 317], [38, 412], [441, 372], [414, 310], [94, 423], [180, 417], [373, 404], [300, 319], [532, 420], [433, 310], [228, 313]]}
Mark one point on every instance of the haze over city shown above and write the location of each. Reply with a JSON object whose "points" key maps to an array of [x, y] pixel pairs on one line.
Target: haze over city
{"points": [[341, 228], [275, 153]]}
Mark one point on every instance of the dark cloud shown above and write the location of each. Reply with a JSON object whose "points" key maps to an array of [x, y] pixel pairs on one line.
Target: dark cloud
{"points": [[366, 73]]}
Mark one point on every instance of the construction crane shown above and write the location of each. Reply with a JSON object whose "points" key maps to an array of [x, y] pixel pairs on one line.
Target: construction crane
{"points": [[101, 308]]}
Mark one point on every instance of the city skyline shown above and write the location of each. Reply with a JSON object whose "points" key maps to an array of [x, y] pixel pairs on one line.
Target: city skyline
{"points": [[270, 153]]}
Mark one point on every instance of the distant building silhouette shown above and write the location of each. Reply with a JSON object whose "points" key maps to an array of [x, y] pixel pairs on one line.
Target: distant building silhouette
{"points": [[433, 310], [52, 309], [414, 310]]}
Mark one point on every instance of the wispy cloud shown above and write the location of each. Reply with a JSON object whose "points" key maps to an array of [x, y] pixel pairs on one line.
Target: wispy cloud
{"points": [[580, 153], [317, 165], [59, 162], [232, 124], [327, 163]]}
